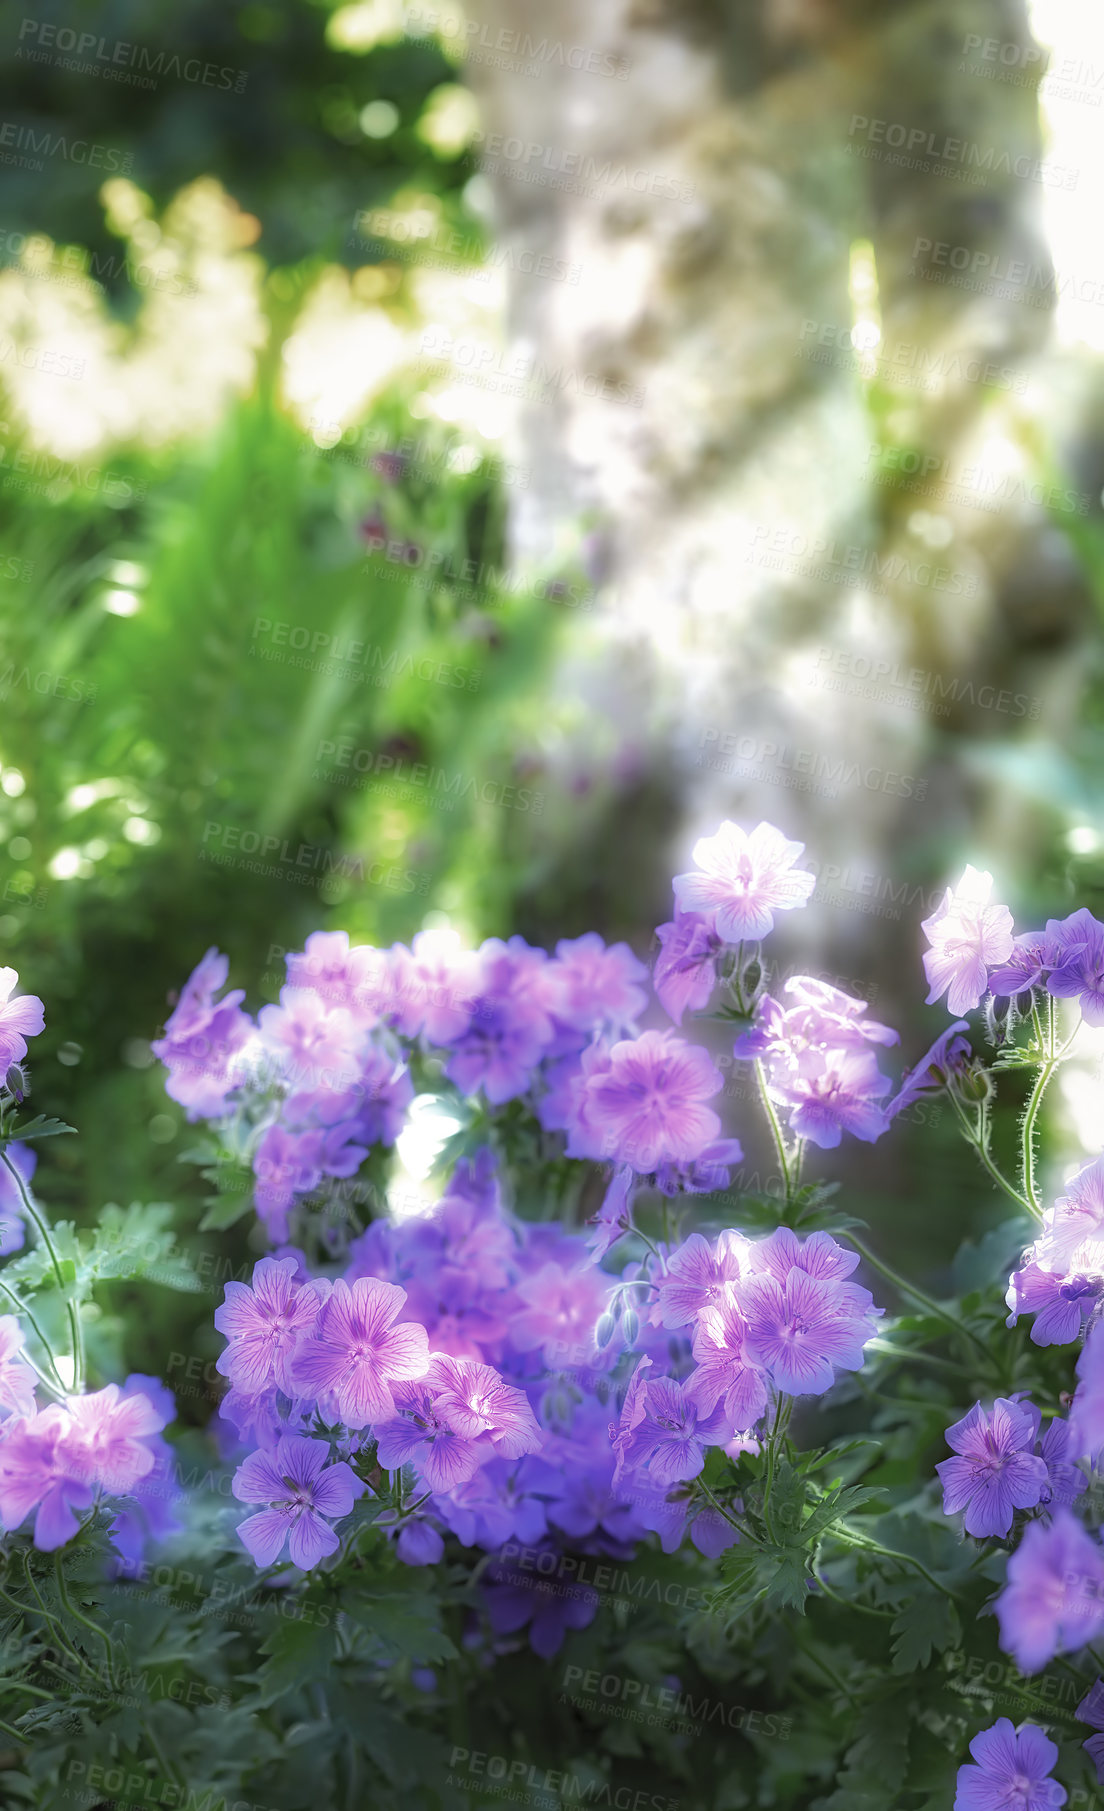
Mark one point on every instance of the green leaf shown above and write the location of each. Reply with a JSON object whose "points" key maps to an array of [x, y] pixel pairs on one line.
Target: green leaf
{"points": [[39, 1127], [225, 1211], [929, 1622], [844, 1500]]}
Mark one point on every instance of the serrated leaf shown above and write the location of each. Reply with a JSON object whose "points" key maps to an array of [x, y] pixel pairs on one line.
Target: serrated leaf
{"points": [[40, 1127], [844, 1500], [928, 1622], [225, 1211]]}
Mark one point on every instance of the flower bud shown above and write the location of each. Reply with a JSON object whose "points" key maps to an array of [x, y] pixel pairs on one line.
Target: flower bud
{"points": [[630, 1326], [603, 1332]]}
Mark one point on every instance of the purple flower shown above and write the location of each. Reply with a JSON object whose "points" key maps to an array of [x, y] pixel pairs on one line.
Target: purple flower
{"points": [[667, 1434], [265, 1324], [436, 981], [1091, 1711], [515, 1598], [203, 1040], [743, 880], [356, 1352], [559, 1310], [17, 1379], [804, 1328], [967, 936], [648, 1107], [425, 1434], [286, 1164], [705, 1174], [725, 1374], [995, 1472], [1077, 953], [1012, 1771], [301, 1490], [37, 1469], [685, 975], [934, 1069], [698, 1275], [479, 1402], [19, 1020], [1060, 1305], [595, 985], [1026, 967], [509, 1025], [108, 1438], [1065, 1482], [1053, 1601], [830, 1092], [823, 1014], [24, 1158]]}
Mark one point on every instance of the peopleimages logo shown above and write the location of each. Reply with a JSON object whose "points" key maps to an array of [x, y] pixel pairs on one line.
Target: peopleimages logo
{"points": [[116, 59]]}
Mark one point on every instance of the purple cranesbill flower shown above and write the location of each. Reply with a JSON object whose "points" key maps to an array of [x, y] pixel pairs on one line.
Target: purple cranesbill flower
{"points": [[357, 978], [509, 1024], [20, 1019], [1077, 955], [303, 1493], [436, 981], [357, 1352], [593, 984], [697, 1276], [38, 1470], [479, 1402], [968, 936], [264, 1324], [1065, 1482], [24, 1158], [1012, 1771], [540, 1598], [819, 1255], [648, 1107], [685, 970], [823, 1014], [108, 1442], [725, 1374], [830, 1092], [419, 1543], [286, 1164], [614, 1217], [994, 1471], [801, 1331], [1053, 1600], [705, 1174], [17, 1379], [204, 1040], [1091, 1711], [1061, 1305], [314, 1045], [670, 1434], [934, 1069], [1027, 966], [559, 1310], [742, 879], [424, 1434], [499, 1503]]}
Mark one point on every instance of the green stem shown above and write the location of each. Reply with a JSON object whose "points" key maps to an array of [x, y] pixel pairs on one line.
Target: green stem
{"points": [[976, 1144], [722, 1511], [848, 1604], [43, 1231], [1028, 1137], [776, 1129], [829, 1674], [79, 1616], [840, 1532], [57, 1388], [918, 1295]]}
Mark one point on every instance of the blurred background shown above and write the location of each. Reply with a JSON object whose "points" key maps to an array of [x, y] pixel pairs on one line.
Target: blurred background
{"points": [[449, 461]]}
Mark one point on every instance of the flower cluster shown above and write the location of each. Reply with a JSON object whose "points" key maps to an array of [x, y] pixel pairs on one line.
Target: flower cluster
{"points": [[60, 1457]]}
